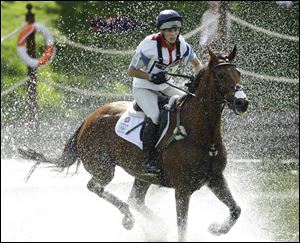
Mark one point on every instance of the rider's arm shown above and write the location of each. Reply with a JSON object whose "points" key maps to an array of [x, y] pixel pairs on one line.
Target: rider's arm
{"points": [[196, 65], [137, 73], [192, 58], [138, 63]]}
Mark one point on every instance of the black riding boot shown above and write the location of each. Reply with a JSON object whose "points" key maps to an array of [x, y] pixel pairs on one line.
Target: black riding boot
{"points": [[150, 138]]}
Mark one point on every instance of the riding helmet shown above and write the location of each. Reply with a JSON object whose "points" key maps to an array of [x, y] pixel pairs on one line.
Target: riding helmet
{"points": [[168, 19]]}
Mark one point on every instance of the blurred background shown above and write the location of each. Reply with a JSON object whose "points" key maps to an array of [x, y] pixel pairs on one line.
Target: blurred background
{"points": [[95, 42]]}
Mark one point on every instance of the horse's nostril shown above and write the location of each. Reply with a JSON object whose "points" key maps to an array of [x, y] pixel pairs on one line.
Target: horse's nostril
{"points": [[238, 103], [244, 105]]}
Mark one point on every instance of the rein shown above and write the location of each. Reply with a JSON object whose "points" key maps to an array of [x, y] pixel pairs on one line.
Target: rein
{"points": [[191, 87], [191, 78], [181, 75], [212, 147], [178, 130]]}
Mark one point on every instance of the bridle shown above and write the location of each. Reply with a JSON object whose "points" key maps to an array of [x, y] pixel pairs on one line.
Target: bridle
{"points": [[217, 79], [212, 147], [204, 101]]}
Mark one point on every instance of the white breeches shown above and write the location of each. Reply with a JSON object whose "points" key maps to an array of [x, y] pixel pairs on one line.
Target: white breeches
{"points": [[147, 99]]}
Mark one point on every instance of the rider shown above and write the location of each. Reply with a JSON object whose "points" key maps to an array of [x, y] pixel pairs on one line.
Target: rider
{"points": [[157, 54]]}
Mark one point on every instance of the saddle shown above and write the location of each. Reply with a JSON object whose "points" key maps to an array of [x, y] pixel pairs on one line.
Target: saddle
{"points": [[131, 124], [162, 100], [163, 112]]}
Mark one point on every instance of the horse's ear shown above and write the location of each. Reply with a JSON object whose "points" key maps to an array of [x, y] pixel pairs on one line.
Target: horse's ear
{"points": [[232, 54], [213, 56]]}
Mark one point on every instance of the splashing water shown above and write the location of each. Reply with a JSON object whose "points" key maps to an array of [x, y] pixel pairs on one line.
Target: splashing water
{"points": [[64, 205], [268, 135]]}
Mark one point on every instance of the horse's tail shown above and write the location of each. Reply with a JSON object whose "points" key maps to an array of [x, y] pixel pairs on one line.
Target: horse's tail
{"points": [[69, 156]]}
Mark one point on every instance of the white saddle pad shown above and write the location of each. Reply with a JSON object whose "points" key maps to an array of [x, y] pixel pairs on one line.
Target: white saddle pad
{"points": [[131, 119]]}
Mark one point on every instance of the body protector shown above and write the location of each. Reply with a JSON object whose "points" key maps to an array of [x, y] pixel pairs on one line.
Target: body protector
{"points": [[153, 56]]}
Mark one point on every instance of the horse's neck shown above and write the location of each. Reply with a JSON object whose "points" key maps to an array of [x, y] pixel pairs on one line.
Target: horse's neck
{"points": [[205, 119]]}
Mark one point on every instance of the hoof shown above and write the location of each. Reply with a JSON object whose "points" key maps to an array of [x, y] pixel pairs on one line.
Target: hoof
{"points": [[218, 229], [214, 229], [128, 222]]}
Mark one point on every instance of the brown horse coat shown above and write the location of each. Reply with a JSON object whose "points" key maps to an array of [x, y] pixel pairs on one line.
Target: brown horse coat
{"points": [[188, 164]]}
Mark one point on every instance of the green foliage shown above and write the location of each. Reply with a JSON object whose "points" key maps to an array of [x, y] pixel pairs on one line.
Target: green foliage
{"points": [[279, 98], [13, 69], [48, 96], [262, 53], [12, 17], [84, 69]]}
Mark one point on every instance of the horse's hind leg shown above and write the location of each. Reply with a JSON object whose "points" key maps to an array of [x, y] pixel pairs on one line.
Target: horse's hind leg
{"points": [[219, 187], [98, 188]]}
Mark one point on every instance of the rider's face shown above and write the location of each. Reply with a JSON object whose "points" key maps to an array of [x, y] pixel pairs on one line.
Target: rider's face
{"points": [[171, 34]]}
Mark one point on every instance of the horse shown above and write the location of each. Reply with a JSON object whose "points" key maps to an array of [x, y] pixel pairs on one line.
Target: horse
{"points": [[187, 164]]}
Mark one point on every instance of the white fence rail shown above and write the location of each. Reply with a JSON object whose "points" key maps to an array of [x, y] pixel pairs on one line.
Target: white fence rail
{"points": [[64, 40]]}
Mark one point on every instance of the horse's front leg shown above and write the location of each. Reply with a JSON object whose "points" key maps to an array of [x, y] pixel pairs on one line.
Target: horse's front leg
{"points": [[138, 193], [137, 196], [219, 187], [182, 208]]}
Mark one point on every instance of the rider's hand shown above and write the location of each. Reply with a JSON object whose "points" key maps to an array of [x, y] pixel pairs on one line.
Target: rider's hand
{"points": [[158, 78], [191, 84]]}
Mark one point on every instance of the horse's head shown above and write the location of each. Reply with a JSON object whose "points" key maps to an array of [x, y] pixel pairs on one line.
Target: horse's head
{"points": [[226, 80]]}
